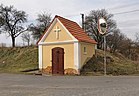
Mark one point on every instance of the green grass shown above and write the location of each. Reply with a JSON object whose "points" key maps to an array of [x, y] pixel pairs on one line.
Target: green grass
{"points": [[117, 64], [17, 59]]}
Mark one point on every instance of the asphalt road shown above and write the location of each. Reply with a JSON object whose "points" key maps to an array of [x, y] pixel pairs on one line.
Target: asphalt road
{"points": [[30, 85]]}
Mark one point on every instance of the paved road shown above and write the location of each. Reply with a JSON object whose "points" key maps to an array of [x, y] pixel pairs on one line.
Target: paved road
{"points": [[30, 85]]}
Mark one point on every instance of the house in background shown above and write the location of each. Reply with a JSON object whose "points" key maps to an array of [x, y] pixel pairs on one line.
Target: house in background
{"points": [[64, 47]]}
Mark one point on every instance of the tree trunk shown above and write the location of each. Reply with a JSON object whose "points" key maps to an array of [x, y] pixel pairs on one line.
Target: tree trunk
{"points": [[28, 42], [13, 41]]}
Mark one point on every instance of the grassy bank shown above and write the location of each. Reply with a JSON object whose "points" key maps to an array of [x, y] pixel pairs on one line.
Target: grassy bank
{"points": [[18, 59], [15, 60], [117, 64]]}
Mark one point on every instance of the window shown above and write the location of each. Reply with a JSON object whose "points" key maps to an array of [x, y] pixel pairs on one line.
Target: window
{"points": [[85, 50]]}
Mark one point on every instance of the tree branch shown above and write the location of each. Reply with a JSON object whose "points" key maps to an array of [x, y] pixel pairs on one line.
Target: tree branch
{"points": [[16, 35]]}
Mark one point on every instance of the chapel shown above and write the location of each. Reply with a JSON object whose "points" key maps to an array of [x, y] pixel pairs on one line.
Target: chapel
{"points": [[64, 47]]}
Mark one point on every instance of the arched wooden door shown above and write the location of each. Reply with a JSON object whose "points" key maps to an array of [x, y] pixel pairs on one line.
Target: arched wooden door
{"points": [[58, 60]]}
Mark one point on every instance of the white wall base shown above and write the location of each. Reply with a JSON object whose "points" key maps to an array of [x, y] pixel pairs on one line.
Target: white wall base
{"points": [[40, 56]]}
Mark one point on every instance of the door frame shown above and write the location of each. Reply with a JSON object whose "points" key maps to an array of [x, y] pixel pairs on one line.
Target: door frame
{"points": [[58, 60]]}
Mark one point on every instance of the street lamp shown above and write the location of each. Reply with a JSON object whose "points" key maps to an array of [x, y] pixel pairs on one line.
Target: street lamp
{"points": [[102, 28]]}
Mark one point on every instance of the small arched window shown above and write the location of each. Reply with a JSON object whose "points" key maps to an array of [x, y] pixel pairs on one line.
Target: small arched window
{"points": [[85, 50]]}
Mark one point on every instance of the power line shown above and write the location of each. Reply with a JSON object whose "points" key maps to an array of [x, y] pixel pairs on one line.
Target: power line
{"points": [[123, 6], [118, 13], [118, 7], [126, 12]]}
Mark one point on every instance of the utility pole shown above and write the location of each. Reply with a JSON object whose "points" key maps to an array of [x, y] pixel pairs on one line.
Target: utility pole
{"points": [[102, 28], [105, 66], [83, 21]]}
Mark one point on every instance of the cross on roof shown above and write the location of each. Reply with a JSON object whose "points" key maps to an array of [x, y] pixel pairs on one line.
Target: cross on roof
{"points": [[57, 30]]}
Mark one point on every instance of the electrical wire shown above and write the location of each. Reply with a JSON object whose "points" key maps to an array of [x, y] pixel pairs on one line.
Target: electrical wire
{"points": [[125, 12], [124, 6]]}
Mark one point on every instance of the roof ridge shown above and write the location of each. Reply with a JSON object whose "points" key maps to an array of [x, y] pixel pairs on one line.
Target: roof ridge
{"points": [[57, 16], [73, 28]]}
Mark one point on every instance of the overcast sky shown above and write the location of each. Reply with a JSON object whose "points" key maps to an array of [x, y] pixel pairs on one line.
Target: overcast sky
{"points": [[128, 23]]}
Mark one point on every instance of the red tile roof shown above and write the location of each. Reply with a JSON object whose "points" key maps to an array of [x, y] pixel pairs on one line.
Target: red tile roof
{"points": [[74, 29]]}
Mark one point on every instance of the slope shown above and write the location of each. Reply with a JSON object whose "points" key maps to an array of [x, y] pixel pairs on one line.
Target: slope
{"points": [[18, 59], [117, 64]]}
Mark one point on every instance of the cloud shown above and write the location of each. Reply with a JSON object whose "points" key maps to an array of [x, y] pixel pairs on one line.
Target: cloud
{"points": [[71, 9]]}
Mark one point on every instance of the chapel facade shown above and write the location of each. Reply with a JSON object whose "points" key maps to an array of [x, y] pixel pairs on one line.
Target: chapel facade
{"points": [[64, 47]]}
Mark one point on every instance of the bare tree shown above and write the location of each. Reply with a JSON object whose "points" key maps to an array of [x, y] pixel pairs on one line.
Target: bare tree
{"points": [[118, 42], [137, 37], [114, 40], [11, 21], [91, 24], [137, 42], [43, 21], [128, 49], [26, 37]]}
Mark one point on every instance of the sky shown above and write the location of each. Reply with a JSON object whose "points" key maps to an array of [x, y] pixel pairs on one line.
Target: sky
{"points": [[128, 22]]}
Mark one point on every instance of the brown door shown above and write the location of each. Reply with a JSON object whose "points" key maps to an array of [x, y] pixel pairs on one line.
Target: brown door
{"points": [[58, 60]]}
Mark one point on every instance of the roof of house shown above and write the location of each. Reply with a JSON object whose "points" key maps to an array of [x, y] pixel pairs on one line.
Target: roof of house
{"points": [[74, 29]]}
